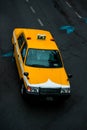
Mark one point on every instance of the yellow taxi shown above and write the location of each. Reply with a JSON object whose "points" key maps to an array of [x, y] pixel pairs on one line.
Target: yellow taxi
{"points": [[39, 63]]}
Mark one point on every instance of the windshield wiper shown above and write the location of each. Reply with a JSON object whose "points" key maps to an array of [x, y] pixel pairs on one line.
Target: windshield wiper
{"points": [[36, 65]]}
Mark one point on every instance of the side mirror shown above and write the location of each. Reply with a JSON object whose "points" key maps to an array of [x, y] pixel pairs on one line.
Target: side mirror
{"points": [[69, 75], [26, 74]]}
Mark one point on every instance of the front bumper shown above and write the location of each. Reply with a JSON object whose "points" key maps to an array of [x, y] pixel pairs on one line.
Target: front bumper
{"points": [[48, 91]]}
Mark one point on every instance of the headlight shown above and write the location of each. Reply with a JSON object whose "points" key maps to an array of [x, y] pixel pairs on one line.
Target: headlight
{"points": [[65, 90], [33, 89]]}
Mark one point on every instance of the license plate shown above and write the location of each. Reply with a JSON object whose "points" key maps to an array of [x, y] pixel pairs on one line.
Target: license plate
{"points": [[49, 98]]}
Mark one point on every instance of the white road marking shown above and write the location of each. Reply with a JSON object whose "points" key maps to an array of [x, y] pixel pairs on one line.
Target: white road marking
{"points": [[40, 22], [68, 4], [32, 9], [78, 15]]}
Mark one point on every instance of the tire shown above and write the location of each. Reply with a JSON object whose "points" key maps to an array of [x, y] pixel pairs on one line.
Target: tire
{"points": [[22, 90]]}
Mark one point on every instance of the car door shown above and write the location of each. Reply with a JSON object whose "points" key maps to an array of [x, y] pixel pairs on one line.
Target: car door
{"points": [[22, 58], [18, 57]]}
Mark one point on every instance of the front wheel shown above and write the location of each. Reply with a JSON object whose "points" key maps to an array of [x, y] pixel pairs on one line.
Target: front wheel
{"points": [[22, 90]]}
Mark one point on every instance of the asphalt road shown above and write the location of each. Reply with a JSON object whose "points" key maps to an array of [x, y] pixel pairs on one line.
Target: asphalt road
{"points": [[18, 114]]}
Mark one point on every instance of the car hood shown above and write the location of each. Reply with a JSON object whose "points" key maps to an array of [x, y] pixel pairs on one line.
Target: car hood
{"points": [[52, 76]]}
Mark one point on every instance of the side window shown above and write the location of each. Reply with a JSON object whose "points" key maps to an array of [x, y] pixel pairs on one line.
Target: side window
{"points": [[23, 51], [21, 40]]}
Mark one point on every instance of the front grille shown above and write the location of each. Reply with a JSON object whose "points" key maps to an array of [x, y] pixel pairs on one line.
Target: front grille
{"points": [[50, 91]]}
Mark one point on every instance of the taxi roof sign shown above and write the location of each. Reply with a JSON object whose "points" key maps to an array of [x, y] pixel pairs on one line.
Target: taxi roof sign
{"points": [[41, 36]]}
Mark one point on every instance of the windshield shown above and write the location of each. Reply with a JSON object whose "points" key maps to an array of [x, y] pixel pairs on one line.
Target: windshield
{"points": [[43, 58]]}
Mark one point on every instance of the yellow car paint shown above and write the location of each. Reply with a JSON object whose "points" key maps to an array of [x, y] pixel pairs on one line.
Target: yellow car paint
{"points": [[37, 75]]}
